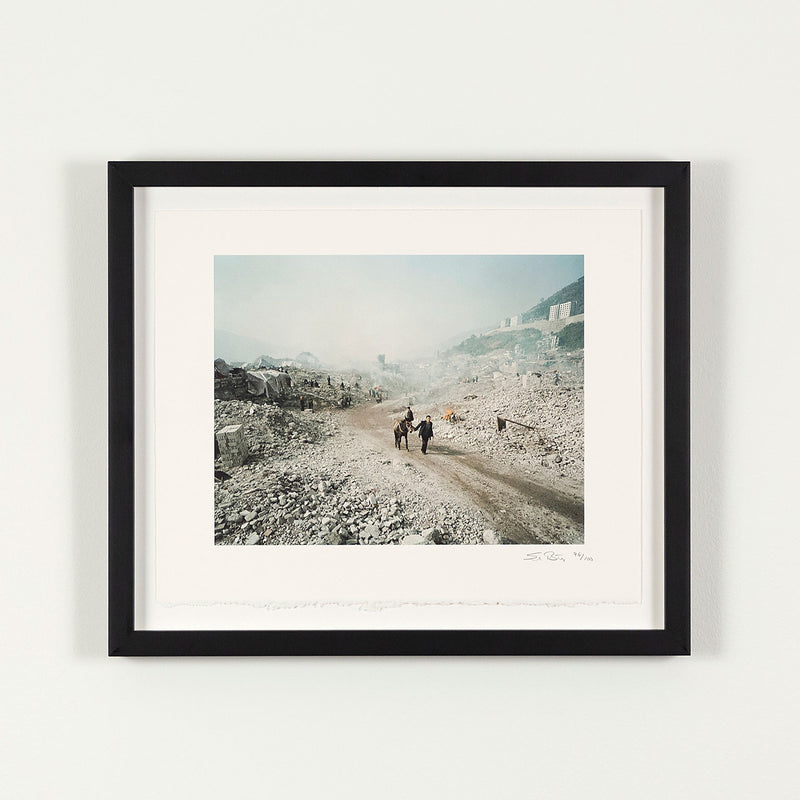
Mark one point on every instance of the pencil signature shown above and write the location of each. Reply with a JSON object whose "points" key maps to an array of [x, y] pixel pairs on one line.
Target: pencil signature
{"points": [[552, 555]]}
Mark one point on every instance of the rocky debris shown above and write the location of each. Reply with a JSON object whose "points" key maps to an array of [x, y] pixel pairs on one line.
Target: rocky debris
{"points": [[432, 536], [269, 429], [230, 385], [335, 536], [555, 413], [308, 481], [491, 537]]}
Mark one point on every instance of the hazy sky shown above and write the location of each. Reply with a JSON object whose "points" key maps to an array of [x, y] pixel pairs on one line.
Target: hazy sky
{"points": [[354, 307]]}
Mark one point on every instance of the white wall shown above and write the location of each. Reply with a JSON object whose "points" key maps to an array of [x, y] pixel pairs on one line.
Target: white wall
{"points": [[713, 82]]}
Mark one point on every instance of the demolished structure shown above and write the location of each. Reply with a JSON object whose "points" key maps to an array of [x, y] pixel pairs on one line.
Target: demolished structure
{"points": [[236, 383], [269, 383]]}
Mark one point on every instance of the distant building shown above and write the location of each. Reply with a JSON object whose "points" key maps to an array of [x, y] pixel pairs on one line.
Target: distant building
{"points": [[560, 311], [514, 321]]}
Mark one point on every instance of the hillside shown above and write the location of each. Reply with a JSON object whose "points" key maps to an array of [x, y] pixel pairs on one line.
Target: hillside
{"points": [[573, 292], [571, 337], [527, 339], [482, 345]]}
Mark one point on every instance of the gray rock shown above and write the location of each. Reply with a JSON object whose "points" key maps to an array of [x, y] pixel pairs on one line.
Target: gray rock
{"points": [[370, 532], [432, 536], [491, 537], [253, 538], [413, 538], [334, 537]]}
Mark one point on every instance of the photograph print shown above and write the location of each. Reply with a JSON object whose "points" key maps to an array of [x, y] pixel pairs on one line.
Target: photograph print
{"points": [[398, 400]]}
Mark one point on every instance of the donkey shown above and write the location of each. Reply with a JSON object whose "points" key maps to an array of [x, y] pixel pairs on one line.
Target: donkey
{"points": [[401, 429]]}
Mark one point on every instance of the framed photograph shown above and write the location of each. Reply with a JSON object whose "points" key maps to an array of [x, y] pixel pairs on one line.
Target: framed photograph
{"points": [[398, 408]]}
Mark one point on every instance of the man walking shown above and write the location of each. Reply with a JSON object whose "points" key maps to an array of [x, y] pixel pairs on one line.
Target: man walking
{"points": [[425, 429]]}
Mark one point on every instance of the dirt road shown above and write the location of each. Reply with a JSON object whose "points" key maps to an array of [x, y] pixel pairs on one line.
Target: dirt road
{"points": [[517, 505]]}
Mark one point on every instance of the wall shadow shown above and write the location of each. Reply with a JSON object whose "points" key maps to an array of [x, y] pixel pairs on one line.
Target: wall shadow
{"points": [[710, 375], [85, 217]]}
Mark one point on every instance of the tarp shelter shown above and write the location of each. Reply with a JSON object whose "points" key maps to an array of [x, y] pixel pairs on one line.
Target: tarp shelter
{"points": [[268, 382]]}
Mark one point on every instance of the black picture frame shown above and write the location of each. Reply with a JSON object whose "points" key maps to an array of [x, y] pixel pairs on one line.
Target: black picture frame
{"points": [[125, 640]]}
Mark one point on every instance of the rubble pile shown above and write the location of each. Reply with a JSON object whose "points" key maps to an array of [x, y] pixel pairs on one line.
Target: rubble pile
{"points": [[307, 482], [232, 385], [269, 429], [555, 412]]}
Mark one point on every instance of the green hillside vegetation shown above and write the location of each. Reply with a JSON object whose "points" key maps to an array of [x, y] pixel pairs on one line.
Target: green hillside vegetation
{"points": [[570, 337], [573, 292], [481, 345]]}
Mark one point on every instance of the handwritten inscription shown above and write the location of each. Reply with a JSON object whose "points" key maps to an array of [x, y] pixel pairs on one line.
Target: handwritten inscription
{"points": [[554, 555]]}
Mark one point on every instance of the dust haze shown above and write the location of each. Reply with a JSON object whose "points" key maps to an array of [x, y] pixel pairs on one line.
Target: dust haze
{"points": [[325, 367], [347, 309]]}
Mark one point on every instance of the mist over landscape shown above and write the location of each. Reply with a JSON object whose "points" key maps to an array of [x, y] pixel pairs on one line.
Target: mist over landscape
{"points": [[347, 309], [398, 400]]}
